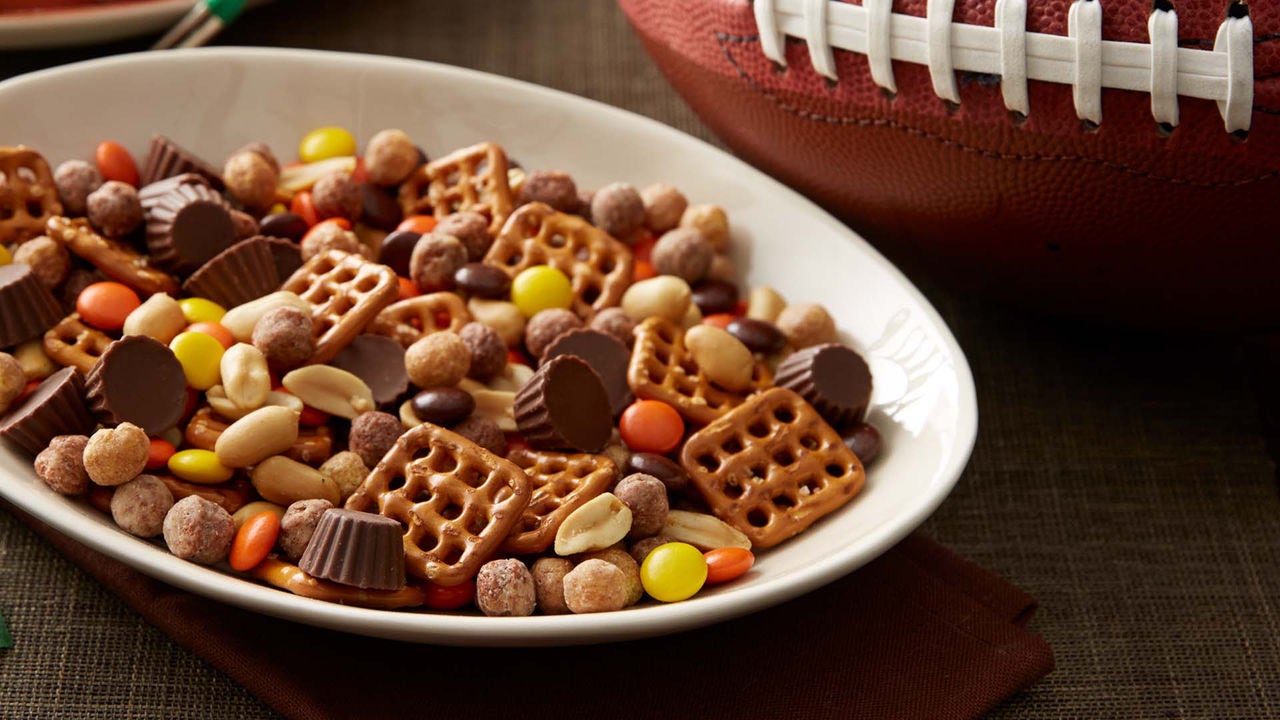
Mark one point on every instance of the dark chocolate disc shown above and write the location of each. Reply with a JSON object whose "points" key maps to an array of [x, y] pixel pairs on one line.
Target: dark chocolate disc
{"points": [[379, 362], [137, 380], [834, 379], [564, 406], [608, 357]]}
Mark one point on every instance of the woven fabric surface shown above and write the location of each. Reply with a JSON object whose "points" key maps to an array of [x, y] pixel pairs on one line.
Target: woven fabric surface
{"points": [[1121, 478]]}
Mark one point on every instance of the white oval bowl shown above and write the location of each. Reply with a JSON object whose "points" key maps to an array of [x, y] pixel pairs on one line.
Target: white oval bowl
{"points": [[215, 100]]}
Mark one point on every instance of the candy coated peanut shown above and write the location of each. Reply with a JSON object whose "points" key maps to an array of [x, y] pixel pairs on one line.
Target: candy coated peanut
{"points": [[200, 356], [254, 540], [5, 257], [450, 597], [421, 224], [215, 331], [651, 426], [159, 454], [115, 163], [304, 207], [254, 508], [106, 305], [199, 466], [727, 563], [201, 310], [539, 288], [326, 142], [673, 572]]}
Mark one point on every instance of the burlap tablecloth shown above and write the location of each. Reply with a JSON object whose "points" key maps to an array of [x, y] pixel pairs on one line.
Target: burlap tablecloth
{"points": [[1123, 479]]}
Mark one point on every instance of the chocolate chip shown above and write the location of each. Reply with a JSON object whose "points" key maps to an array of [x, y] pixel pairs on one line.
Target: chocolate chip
{"points": [[283, 225], [443, 406], [482, 280], [380, 208], [397, 249], [760, 336], [715, 296]]}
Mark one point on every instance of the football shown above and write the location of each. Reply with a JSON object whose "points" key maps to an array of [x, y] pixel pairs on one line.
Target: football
{"points": [[1112, 159]]}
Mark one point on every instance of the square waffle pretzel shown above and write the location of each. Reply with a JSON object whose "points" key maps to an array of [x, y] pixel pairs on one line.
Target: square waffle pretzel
{"points": [[346, 292], [599, 267], [561, 483], [456, 501], [409, 320], [472, 179], [71, 343], [662, 369], [28, 196], [772, 467]]}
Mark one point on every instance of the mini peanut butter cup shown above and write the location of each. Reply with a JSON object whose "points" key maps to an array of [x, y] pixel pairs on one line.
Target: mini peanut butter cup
{"points": [[187, 226], [564, 406], [832, 378], [151, 193], [137, 380], [27, 308], [287, 254], [243, 272], [166, 158], [378, 361], [360, 549], [608, 357], [56, 407]]}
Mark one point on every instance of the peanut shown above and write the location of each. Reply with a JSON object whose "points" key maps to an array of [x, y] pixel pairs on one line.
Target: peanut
{"points": [[284, 482], [160, 318], [705, 532], [504, 317], [331, 390], [666, 296], [36, 365], [240, 320], [253, 508], [721, 356], [597, 524], [245, 377], [217, 398], [257, 436], [764, 303]]}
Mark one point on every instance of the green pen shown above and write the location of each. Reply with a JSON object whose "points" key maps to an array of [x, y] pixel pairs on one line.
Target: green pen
{"points": [[200, 24], [6, 640]]}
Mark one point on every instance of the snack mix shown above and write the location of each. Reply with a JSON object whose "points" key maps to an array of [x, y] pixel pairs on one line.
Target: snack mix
{"points": [[390, 382]]}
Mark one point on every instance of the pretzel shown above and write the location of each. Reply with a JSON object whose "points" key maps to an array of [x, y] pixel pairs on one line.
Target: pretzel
{"points": [[71, 343], [409, 320], [472, 179], [116, 260], [561, 484], [345, 292], [663, 369], [292, 578], [28, 195], [772, 467], [599, 267], [313, 446], [457, 501], [230, 496]]}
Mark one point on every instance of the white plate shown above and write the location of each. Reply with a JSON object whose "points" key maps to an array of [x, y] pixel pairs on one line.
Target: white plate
{"points": [[88, 24], [215, 100]]}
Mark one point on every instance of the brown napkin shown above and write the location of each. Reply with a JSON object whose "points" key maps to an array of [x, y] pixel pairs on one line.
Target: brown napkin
{"points": [[918, 633]]}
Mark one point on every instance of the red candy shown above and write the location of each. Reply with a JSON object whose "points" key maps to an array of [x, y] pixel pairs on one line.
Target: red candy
{"points": [[727, 563], [720, 320], [159, 454], [651, 426], [450, 597]]}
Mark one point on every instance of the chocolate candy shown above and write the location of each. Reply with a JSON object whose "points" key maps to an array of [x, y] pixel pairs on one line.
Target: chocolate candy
{"points": [[54, 408], [283, 225], [380, 209], [482, 280], [287, 254], [397, 249], [165, 158], [150, 194], [760, 336], [187, 227], [137, 380], [243, 272], [668, 471], [564, 406], [865, 442], [834, 379], [715, 296], [443, 406], [360, 549], [608, 357], [27, 308], [379, 362]]}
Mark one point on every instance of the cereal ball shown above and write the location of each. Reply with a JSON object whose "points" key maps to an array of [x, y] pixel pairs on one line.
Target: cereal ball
{"points": [[114, 456], [683, 252], [711, 221], [806, 324], [329, 236], [663, 207], [76, 179], [617, 209], [440, 359], [13, 380], [373, 434], [435, 259], [139, 506], [548, 584], [488, 352], [48, 259], [615, 322], [547, 325], [504, 317], [115, 209], [198, 530], [337, 195], [647, 498], [618, 557], [640, 549], [471, 229], [264, 151], [584, 204], [286, 336], [552, 187], [595, 586], [722, 269], [389, 157], [244, 224], [483, 432], [250, 179], [298, 524], [504, 588], [346, 470], [61, 465]]}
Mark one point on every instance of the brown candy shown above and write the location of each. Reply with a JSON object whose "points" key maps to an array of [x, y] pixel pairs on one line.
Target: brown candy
{"points": [[373, 434], [865, 442], [547, 325], [833, 378], [488, 352], [760, 336], [608, 357], [283, 225], [552, 187], [436, 257], [715, 296], [683, 252], [646, 496], [379, 362], [617, 209], [564, 406], [166, 158], [484, 432], [360, 549], [56, 407], [617, 323], [443, 406], [379, 208], [137, 380], [29, 307], [298, 525], [140, 506], [396, 250], [482, 280], [286, 337], [243, 272], [471, 229]]}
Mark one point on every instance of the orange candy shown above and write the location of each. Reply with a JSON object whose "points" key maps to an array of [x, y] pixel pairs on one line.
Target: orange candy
{"points": [[311, 417], [115, 163], [105, 305], [644, 270], [214, 330], [450, 597], [254, 540], [304, 207], [720, 320], [159, 453], [361, 173], [421, 224], [643, 248], [651, 426], [727, 563], [407, 288]]}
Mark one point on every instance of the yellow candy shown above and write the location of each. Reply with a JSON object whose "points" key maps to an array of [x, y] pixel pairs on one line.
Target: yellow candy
{"points": [[199, 466], [674, 571], [277, 209], [201, 358], [5, 257], [539, 288], [200, 310], [326, 142]]}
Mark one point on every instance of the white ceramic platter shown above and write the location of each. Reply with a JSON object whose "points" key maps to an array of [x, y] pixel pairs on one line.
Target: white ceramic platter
{"points": [[215, 100], [91, 23]]}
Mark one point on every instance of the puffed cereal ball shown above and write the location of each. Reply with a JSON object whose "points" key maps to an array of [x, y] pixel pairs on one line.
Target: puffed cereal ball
{"points": [[436, 257], [618, 557], [346, 470], [140, 506], [646, 496], [683, 252], [440, 359], [471, 229], [328, 236], [806, 324], [548, 584], [114, 456], [663, 207], [12, 381], [595, 586], [61, 465], [250, 179], [617, 209], [114, 208], [488, 352], [711, 221], [337, 195], [264, 150], [76, 179], [483, 432], [389, 157], [504, 588], [640, 549], [298, 524], [244, 225], [286, 337], [49, 260], [615, 322], [552, 187], [544, 327], [373, 434], [723, 269], [198, 530]]}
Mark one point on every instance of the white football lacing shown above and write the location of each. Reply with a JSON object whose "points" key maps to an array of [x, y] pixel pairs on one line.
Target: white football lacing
{"points": [[1081, 58]]}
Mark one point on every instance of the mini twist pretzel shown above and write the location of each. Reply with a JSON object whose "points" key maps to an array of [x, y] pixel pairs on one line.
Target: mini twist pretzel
{"points": [[772, 467], [292, 578], [313, 446], [71, 343], [346, 292], [116, 260], [409, 320], [561, 484], [662, 369], [457, 501], [28, 195], [472, 179], [599, 267]]}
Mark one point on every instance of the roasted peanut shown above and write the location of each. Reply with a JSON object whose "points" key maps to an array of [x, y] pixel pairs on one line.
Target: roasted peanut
{"points": [[334, 391], [246, 381], [160, 318], [666, 296], [257, 436], [721, 356], [284, 482], [504, 317], [764, 303], [705, 532], [240, 320], [597, 524]]}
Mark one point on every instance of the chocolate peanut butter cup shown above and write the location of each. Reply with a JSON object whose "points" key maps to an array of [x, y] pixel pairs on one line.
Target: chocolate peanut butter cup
{"points": [[832, 378], [56, 407], [243, 272], [564, 406], [187, 226], [166, 158], [151, 193], [361, 549], [137, 380], [605, 354], [287, 255], [27, 308], [379, 362]]}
